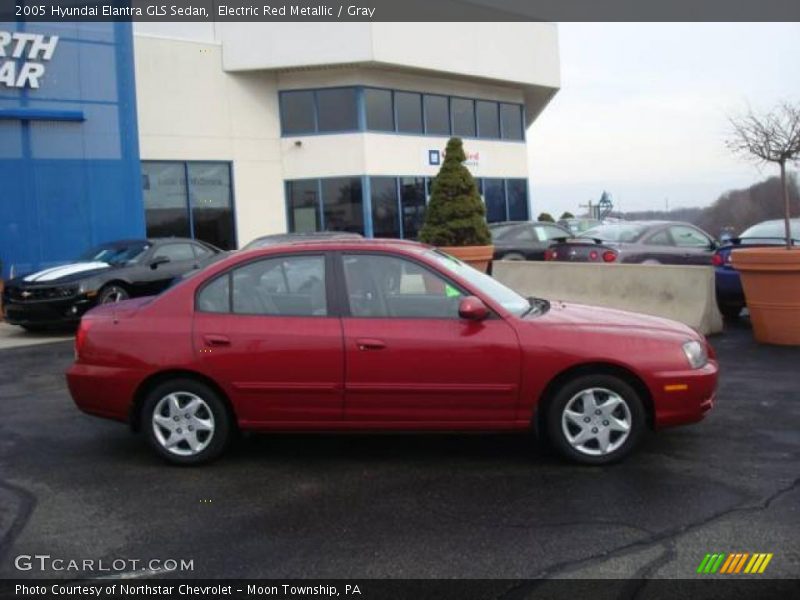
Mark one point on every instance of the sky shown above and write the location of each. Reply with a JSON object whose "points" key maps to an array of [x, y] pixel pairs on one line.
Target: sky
{"points": [[643, 111]]}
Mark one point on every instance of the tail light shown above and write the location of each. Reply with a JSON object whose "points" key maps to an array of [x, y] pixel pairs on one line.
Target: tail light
{"points": [[593, 255], [550, 254], [717, 260], [609, 256], [80, 337]]}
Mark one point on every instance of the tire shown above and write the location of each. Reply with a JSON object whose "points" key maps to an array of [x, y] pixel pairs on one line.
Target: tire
{"points": [[112, 293], [196, 436], [601, 389], [512, 256], [730, 312]]}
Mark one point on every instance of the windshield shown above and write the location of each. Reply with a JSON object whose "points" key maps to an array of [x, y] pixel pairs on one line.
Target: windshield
{"points": [[507, 298], [772, 229], [115, 254], [616, 232]]}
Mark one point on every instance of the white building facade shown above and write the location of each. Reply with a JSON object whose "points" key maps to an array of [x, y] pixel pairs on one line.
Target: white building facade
{"points": [[247, 129]]}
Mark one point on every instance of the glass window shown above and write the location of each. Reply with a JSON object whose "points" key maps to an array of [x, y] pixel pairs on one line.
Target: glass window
{"points": [[303, 200], [201, 251], [385, 222], [380, 114], [689, 237], [408, 106], [548, 232], [511, 121], [517, 199], [297, 112], [175, 252], [463, 111], [337, 110], [210, 195], [616, 232], [488, 119], [342, 204], [215, 296], [412, 202], [506, 297], [521, 234], [165, 203], [495, 198], [661, 238], [388, 286], [285, 286], [437, 115], [115, 253]]}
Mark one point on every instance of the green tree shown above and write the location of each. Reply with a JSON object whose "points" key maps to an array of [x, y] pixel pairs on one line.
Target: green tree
{"points": [[566, 215], [455, 215], [545, 217]]}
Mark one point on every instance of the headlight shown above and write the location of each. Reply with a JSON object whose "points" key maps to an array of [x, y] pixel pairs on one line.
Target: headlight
{"points": [[695, 353]]}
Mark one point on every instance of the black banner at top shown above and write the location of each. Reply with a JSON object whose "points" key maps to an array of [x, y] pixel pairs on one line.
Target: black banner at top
{"points": [[399, 10]]}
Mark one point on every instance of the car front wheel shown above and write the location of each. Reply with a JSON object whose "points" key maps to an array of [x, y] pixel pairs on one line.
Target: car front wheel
{"points": [[596, 419], [111, 294], [186, 422]]}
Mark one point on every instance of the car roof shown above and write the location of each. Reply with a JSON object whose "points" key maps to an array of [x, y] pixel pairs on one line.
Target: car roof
{"points": [[342, 244]]}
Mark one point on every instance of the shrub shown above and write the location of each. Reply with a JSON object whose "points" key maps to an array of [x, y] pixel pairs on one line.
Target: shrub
{"points": [[455, 215]]}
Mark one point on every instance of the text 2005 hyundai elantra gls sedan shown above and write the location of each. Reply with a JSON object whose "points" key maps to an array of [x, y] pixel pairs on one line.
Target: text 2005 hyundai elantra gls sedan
{"points": [[373, 335]]}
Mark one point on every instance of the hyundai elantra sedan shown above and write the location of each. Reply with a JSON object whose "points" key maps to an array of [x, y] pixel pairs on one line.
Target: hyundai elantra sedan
{"points": [[379, 335]]}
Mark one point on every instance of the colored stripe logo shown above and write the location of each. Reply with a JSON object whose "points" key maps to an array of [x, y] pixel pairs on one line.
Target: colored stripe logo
{"points": [[737, 562]]}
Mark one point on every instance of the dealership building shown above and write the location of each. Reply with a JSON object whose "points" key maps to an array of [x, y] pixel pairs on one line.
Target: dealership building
{"points": [[228, 131]]}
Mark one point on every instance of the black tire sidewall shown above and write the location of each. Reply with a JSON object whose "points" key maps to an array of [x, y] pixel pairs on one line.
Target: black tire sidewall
{"points": [[222, 420], [108, 289], [563, 395]]}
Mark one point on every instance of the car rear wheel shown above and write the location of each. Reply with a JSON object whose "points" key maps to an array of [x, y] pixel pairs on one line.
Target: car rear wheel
{"points": [[186, 422], [111, 294], [512, 256], [596, 419]]}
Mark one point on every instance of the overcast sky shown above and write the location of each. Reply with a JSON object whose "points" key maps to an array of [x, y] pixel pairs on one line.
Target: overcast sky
{"points": [[642, 111]]}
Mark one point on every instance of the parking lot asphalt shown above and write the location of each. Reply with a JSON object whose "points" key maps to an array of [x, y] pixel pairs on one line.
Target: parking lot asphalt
{"points": [[76, 487]]}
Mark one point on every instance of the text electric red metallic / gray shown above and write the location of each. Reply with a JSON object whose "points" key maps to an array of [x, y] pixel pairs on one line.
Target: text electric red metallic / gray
{"points": [[357, 335]]}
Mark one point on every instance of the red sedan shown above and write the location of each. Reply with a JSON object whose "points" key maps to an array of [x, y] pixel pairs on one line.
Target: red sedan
{"points": [[357, 335]]}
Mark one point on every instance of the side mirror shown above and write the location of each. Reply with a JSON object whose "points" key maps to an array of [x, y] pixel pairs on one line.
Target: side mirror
{"points": [[158, 260], [472, 308]]}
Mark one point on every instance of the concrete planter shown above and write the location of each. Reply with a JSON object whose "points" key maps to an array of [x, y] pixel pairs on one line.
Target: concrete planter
{"points": [[478, 257], [771, 282]]}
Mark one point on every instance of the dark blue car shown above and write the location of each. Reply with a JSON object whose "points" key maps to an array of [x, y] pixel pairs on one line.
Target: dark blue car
{"points": [[730, 296]]}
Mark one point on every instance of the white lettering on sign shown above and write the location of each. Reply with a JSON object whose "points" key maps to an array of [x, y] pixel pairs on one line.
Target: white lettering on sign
{"points": [[21, 56]]}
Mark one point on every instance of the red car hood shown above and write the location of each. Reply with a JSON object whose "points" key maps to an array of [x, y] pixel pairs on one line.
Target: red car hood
{"points": [[581, 315]]}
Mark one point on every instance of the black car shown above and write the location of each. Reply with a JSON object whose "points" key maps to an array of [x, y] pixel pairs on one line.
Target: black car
{"points": [[645, 242], [107, 273], [524, 240]]}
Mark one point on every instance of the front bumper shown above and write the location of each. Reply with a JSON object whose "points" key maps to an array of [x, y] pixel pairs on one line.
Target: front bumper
{"points": [[59, 311], [685, 396]]}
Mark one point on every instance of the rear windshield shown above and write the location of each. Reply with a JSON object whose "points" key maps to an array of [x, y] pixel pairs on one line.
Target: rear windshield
{"points": [[616, 232], [772, 229]]}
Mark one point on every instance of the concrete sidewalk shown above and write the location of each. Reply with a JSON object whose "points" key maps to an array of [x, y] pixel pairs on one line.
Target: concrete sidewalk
{"points": [[12, 336]]}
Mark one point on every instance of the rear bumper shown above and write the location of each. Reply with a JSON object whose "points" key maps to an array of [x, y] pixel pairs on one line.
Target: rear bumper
{"points": [[104, 391], [681, 397], [729, 286]]}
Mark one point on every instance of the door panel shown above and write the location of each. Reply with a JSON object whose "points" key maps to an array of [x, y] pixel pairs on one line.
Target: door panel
{"points": [[410, 358], [275, 369], [434, 370], [265, 332]]}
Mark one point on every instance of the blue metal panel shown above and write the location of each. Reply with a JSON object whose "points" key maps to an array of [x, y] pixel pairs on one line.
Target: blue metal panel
{"points": [[69, 155]]}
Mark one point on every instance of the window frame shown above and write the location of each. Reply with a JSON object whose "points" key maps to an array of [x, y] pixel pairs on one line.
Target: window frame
{"points": [[334, 309], [344, 296]]}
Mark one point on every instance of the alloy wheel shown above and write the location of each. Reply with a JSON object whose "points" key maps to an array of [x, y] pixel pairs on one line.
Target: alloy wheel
{"points": [[596, 421], [183, 423]]}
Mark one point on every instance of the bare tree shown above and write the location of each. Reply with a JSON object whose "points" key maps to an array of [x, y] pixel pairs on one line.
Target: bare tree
{"points": [[772, 137]]}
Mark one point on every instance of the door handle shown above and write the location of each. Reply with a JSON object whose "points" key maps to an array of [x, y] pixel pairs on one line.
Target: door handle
{"points": [[370, 344], [217, 340]]}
